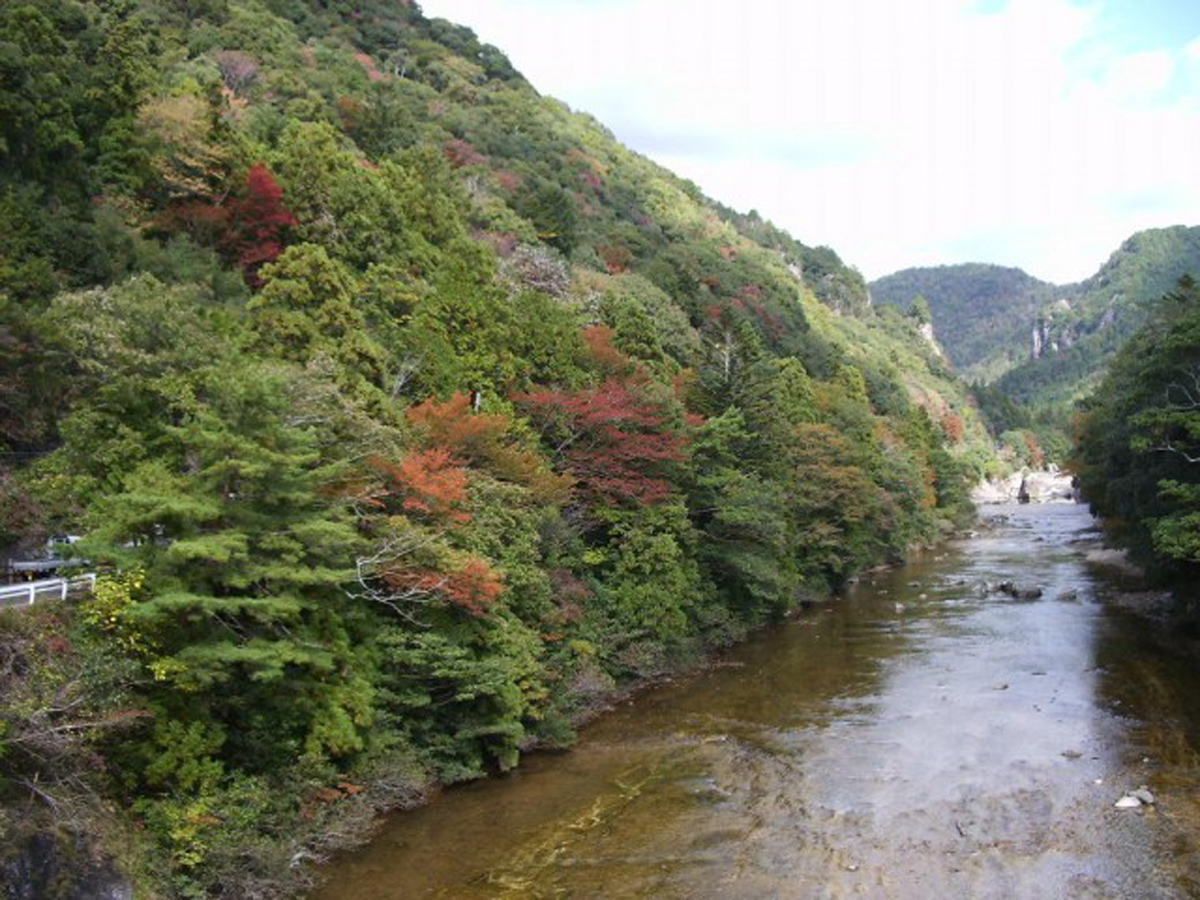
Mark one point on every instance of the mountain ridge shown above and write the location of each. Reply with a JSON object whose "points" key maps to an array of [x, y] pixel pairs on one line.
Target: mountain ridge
{"points": [[1037, 341]]}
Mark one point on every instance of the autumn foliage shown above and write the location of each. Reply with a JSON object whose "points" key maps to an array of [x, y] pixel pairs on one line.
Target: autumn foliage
{"points": [[249, 231], [952, 425], [612, 441], [1036, 455], [473, 587], [482, 440], [461, 153], [453, 425], [258, 223], [603, 353], [428, 482]]}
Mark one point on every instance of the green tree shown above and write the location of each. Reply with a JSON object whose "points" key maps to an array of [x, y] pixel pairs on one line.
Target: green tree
{"points": [[307, 308], [246, 559], [919, 311], [1139, 443]]}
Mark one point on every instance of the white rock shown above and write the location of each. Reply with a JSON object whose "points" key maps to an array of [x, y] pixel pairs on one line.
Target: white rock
{"points": [[1128, 802]]}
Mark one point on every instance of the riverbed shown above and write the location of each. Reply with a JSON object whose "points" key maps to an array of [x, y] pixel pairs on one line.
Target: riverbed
{"points": [[919, 737]]}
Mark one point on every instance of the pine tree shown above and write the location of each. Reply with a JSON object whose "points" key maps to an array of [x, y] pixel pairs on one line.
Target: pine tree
{"points": [[245, 559]]}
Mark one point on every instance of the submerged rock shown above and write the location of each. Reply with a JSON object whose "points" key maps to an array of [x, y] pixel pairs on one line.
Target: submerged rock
{"points": [[1016, 591]]}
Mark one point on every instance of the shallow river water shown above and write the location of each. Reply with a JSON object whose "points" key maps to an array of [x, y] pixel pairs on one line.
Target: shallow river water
{"points": [[882, 745]]}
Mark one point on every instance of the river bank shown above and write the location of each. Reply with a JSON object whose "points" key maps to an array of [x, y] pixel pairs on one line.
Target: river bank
{"points": [[917, 738]]}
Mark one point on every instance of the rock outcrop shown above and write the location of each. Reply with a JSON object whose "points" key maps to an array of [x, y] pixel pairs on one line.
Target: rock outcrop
{"points": [[1043, 486], [47, 864]]}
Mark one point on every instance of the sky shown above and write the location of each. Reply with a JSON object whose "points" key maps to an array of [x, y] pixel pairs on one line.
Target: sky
{"points": [[1031, 133]]}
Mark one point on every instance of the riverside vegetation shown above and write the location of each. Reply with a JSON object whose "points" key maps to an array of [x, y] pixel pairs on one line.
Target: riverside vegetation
{"points": [[407, 416], [1034, 350], [1138, 451]]}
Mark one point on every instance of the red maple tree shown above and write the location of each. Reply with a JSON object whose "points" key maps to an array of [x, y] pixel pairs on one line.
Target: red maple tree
{"points": [[614, 442], [258, 223]]}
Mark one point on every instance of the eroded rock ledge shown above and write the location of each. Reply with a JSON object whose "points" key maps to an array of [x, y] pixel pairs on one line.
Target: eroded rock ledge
{"points": [[1042, 486]]}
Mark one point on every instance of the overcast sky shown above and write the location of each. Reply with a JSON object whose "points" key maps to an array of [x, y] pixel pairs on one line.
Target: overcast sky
{"points": [[1034, 133]]}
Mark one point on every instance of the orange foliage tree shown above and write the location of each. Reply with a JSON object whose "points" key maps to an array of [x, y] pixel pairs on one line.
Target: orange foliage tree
{"points": [[483, 440], [473, 586], [952, 425], [429, 482]]}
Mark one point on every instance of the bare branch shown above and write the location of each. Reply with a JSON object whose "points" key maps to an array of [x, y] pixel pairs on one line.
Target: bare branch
{"points": [[392, 554], [405, 370], [1185, 396], [1168, 447]]}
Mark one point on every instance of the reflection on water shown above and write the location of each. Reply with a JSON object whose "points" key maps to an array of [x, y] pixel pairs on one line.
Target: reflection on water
{"points": [[887, 745]]}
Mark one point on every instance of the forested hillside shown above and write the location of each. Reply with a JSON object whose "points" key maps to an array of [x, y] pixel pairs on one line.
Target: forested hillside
{"points": [[982, 314], [1033, 349], [406, 416], [1073, 339], [1138, 454]]}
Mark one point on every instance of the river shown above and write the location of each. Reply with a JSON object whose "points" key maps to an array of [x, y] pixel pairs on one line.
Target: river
{"points": [[916, 738]]}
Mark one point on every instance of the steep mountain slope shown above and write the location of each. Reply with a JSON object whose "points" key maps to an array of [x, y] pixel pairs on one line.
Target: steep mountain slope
{"points": [[1040, 343], [981, 313], [1072, 340], [406, 415]]}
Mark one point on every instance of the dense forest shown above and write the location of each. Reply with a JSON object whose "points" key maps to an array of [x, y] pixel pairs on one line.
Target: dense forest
{"points": [[982, 314], [1032, 349], [406, 416], [1138, 454]]}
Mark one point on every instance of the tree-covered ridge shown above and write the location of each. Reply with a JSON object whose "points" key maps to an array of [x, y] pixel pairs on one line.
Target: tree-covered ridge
{"points": [[1138, 454], [982, 314], [1036, 342], [1033, 349], [1078, 334], [408, 414]]}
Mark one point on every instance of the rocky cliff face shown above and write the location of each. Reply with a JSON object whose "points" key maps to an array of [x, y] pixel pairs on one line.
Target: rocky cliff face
{"points": [[926, 330], [1049, 486], [51, 866], [1057, 329]]}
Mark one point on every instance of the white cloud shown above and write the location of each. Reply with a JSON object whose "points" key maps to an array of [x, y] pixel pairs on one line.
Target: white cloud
{"points": [[899, 134], [1140, 74]]}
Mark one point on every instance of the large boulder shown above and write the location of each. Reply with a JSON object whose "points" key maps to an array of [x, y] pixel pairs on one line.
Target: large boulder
{"points": [[1050, 486], [1042, 486]]}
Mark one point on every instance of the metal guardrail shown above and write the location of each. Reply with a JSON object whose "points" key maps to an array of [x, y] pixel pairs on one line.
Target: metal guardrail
{"points": [[47, 589]]}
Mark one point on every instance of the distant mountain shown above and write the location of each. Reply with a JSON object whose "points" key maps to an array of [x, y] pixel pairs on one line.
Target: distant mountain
{"points": [[981, 313], [1071, 340], [1039, 342]]}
